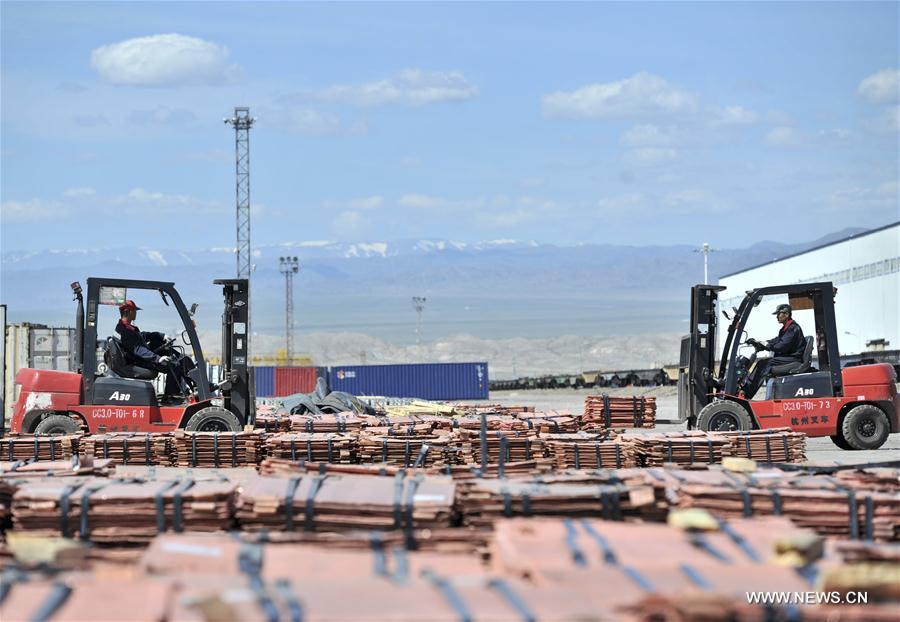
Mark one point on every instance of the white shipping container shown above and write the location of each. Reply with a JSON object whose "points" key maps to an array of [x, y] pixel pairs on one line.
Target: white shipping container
{"points": [[37, 347]]}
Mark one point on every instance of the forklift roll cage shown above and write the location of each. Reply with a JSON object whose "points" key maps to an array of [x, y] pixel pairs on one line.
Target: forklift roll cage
{"points": [[86, 330]]}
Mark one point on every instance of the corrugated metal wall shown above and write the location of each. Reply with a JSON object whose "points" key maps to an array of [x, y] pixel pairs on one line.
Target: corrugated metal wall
{"points": [[430, 381], [265, 381], [290, 380]]}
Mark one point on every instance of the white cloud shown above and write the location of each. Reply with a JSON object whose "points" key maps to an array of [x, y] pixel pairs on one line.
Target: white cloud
{"points": [[140, 201], [162, 115], [648, 135], [882, 87], [734, 115], [643, 94], [622, 203], [887, 121], [164, 60], [75, 193], [428, 202], [35, 210], [783, 137], [878, 198], [650, 156], [311, 122], [360, 204], [350, 223], [410, 87]]}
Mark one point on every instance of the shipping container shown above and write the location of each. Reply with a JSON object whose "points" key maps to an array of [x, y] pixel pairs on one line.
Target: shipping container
{"points": [[35, 346], [290, 380], [264, 378], [430, 381], [2, 369]]}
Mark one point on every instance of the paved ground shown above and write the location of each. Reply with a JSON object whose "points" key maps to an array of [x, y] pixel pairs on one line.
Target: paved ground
{"points": [[819, 450]]}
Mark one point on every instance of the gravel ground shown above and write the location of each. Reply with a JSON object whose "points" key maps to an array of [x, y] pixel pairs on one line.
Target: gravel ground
{"points": [[819, 450]]}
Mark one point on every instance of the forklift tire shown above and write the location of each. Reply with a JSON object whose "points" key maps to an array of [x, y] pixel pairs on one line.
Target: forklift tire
{"points": [[57, 424], [723, 416], [213, 419], [865, 427], [838, 440]]}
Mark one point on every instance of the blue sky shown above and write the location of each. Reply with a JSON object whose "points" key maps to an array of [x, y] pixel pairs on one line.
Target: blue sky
{"points": [[565, 123]]}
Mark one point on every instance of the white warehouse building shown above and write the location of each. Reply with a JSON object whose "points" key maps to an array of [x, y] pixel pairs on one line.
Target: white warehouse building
{"points": [[864, 267]]}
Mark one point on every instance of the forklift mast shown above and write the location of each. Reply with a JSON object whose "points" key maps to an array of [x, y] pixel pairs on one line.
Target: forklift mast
{"points": [[698, 353], [238, 397]]}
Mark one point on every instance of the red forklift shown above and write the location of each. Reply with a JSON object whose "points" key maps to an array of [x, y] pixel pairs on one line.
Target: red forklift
{"points": [[857, 406], [106, 394]]}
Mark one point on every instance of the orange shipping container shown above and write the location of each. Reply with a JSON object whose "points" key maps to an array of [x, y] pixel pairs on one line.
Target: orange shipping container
{"points": [[290, 380]]}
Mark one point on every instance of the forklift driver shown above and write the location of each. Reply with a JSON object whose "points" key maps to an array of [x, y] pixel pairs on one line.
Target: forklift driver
{"points": [[787, 347], [138, 347]]}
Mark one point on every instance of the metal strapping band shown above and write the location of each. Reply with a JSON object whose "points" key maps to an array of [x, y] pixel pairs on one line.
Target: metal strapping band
{"points": [[384, 450], [577, 456], [787, 450], [696, 578], [9, 449], [309, 510], [377, 545], [295, 608], [609, 556], [606, 503], [776, 503], [293, 450], [691, 451], [853, 514], [700, 541], [216, 449], [37, 447], [401, 564], [52, 448], [507, 503], [406, 453], [747, 446], [607, 411], [160, 502], [330, 445], [528, 449], [194, 450], [869, 503], [768, 448], [526, 504], [634, 411], [618, 451], [529, 423], [668, 450], [450, 594], [309, 451], [64, 510], [399, 481], [420, 459], [178, 505], [409, 507], [739, 540], [250, 559], [483, 442], [747, 502], [105, 447], [234, 450], [514, 600], [575, 551], [147, 458], [638, 578], [308, 426], [709, 449], [83, 530], [501, 464], [292, 486], [58, 595]]}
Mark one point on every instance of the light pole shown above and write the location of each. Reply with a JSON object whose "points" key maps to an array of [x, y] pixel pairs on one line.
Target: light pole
{"points": [[288, 266], [419, 306], [706, 250]]}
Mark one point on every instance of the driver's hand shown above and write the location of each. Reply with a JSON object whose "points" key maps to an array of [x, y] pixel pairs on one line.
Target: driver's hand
{"points": [[164, 360]]}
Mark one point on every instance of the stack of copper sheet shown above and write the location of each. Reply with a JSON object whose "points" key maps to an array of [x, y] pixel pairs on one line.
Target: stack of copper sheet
{"points": [[483, 501], [129, 447], [337, 422], [272, 422], [121, 511], [14, 448], [497, 409], [462, 473], [217, 449], [683, 448], [884, 479], [552, 422], [492, 421], [603, 411], [419, 428], [315, 447], [772, 445], [346, 502], [495, 447], [586, 451], [76, 466], [408, 451], [282, 467]]}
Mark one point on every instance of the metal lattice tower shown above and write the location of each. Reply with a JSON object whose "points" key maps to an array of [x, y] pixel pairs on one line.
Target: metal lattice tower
{"points": [[242, 122], [706, 250], [288, 266]]}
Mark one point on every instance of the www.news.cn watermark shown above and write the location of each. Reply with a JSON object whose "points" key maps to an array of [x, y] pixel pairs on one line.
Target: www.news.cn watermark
{"points": [[808, 598]]}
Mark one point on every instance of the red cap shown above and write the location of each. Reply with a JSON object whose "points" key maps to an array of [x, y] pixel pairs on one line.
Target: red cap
{"points": [[129, 305]]}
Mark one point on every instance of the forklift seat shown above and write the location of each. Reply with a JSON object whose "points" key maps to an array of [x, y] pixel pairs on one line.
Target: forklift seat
{"points": [[114, 357], [798, 367]]}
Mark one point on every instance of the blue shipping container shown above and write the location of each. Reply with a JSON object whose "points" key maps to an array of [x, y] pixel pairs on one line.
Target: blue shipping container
{"points": [[265, 381], [430, 381]]}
